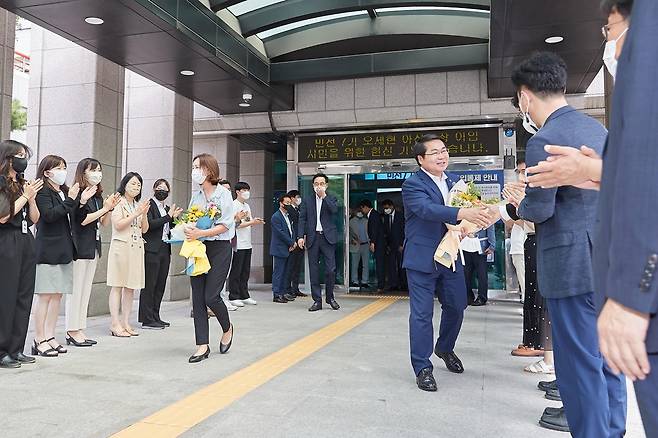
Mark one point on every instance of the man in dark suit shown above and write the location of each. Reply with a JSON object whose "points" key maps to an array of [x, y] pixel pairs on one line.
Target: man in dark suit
{"points": [[483, 243], [281, 245], [297, 255], [317, 232], [394, 232], [424, 196], [594, 397], [628, 321], [377, 241]]}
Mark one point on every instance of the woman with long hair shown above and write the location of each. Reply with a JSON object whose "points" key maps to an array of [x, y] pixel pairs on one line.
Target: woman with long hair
{"points": [[206, 288], [92, 212], [125, 265], [55, 252], [17, 258]]}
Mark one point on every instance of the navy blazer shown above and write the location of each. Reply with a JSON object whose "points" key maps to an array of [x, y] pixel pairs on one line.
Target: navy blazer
{"points": [[376, 230], [626, 250], [282, 238], [425, 215], [394, 235], [564, 217], [308, 219]]}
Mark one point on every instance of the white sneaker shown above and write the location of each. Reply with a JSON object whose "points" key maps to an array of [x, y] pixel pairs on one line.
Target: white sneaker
{"points": [[230, 306], [250, 301], [237, 303]]}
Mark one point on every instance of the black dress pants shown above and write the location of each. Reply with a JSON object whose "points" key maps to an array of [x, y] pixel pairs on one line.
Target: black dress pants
{"points": [[533, 303], [380, 265], [239, 277], [207, 287], [293, 268], [476, 263], [17, 274], [157, 270]]}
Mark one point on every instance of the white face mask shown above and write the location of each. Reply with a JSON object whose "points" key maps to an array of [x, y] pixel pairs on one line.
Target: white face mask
{"points": [[388, 210], [319, 190], [245, 195], [198, 177], [58, 176], [298, 201], [133, 192], [359, 215], [528, 123], [94, 177], [609, 55]]}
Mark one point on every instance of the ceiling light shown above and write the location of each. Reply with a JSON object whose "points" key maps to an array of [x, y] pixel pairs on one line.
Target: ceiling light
{"points": [[244, 104], [187, 72], [554, 39], [247, 96], [94, 20]]}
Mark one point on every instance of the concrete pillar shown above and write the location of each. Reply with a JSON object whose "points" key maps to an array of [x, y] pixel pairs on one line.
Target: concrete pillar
{"points": [[292, 181], [75, 110], [226, 149], [256, 169], [158, 144], [7, 36]]}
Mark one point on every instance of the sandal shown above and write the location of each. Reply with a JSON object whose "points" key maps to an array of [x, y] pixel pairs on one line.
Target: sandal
{"points": [[540, 367], [51, 352], [60, 348], [120, 334], [131, 332], [524, 351]]}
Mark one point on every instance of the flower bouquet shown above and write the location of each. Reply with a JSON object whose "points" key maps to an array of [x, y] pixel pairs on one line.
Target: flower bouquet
{"points": [[194, 250], [462, 195]]}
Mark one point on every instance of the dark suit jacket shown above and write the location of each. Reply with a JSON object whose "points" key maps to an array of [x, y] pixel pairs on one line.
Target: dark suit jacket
{"points": [[282, 238], [293, 214], [54, 243], [394, 236], [425, 215], [626, 250], [376, 230], [308, 219], [84, 237], [564, 217], [153, 236]]}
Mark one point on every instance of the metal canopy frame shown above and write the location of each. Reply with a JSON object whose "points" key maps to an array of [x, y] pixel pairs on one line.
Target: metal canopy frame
{"points": [[290, 11]]}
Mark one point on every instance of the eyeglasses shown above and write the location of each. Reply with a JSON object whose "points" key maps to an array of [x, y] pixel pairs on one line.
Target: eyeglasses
{"points": [[442, 151], [605, 29]]}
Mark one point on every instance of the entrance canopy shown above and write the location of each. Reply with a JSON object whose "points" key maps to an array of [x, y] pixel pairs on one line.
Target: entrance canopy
{"points": [[216, 51]]}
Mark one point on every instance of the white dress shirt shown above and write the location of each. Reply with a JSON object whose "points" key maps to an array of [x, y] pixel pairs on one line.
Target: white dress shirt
{"points": [[163, 213], [442, 183], [318, 208], [287, 219]]}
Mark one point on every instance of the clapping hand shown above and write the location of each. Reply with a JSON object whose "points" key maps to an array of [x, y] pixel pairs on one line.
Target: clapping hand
{"points": [[143, 207], [175, 211], [87, 194], [514, 193], [112, 201], [74, 190], [31, 188], [566, 166]]}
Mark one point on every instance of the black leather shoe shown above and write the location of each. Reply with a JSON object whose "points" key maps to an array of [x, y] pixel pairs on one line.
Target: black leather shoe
{"points": [[452, 361], [300, 294], [279, 299], [70, 340], [153, 326], [199, 358], [551, 412], [23, 358], [334, 305], [545, 385], [7, 361], [164, 323], [365, 285], [553, 394], [315, 307], [354, 285], [289, 297], [425, 380], [555, 422], [479, 302], [91, 341], [223, 348]]}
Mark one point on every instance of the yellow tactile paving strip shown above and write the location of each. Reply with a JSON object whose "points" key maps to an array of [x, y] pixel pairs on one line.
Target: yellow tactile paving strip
{"points": [[181, 416]]}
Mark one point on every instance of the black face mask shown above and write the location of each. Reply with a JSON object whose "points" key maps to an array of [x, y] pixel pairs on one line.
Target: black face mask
{"points": [[288, 208], [19, 164], [161, 195]]}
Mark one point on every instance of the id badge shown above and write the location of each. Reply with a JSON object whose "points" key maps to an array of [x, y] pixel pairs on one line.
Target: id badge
{"points": [[24, 226], [98, 232]]}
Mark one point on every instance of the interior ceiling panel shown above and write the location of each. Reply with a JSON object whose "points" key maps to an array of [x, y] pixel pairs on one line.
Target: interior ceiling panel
{"points": [[520, 27]]}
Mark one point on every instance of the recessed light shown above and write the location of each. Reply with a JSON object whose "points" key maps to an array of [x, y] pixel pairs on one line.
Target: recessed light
{"points": [[247, 96], [244, 104], [554, 40], [187, 72], [94, 20]]}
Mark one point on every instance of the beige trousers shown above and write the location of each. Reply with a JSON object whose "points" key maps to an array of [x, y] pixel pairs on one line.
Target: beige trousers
{"points": [[78, 302], [519, 265]]}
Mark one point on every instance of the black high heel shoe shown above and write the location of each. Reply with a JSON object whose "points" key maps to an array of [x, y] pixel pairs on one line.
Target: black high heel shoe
{"points": [[51, 352], [199, 358], [60, 348], [223, 348], [70, 340]]}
